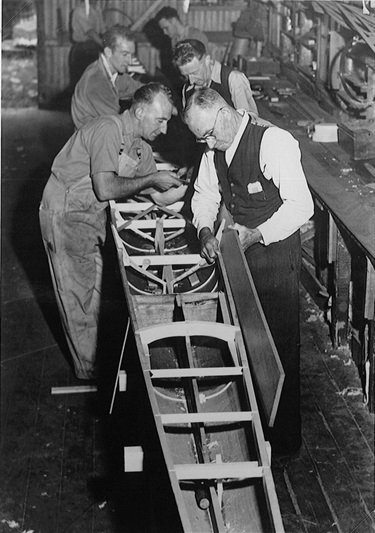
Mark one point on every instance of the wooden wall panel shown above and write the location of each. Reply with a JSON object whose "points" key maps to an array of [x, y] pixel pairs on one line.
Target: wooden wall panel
{"points": [[54, 36], [212, 19]]}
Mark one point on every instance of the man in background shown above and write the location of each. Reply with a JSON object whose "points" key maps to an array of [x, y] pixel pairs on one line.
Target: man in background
{"points": [[170, 23], [87, 28], [106, 81], [108, 158], [191, 58]]}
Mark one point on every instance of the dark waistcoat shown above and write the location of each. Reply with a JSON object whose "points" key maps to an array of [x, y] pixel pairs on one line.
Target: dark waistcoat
{"points": [[248, 195]]}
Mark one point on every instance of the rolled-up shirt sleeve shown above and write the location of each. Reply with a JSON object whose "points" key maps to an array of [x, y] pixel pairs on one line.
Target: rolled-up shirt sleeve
{"points": [[206, 199], [280, 160]]}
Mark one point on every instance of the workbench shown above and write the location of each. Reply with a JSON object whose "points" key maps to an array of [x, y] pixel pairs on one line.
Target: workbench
{"points": [[342, 241]]}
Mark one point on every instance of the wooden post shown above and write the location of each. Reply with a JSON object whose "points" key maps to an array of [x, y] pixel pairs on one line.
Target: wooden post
{"points": [[340, 297], [369, 344], [322, 43]]}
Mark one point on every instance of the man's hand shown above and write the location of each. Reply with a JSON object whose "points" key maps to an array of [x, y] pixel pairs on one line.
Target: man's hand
{"points": [[165, 180], [209, 245], [169, 197], [247, 236]]}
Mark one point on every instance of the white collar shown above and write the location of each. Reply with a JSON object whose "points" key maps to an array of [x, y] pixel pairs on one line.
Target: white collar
{"points": [[236, 141], [112, 77]]}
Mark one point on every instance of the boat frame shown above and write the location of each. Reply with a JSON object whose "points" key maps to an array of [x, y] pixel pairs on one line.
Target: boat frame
{"points": [[247, 351]]}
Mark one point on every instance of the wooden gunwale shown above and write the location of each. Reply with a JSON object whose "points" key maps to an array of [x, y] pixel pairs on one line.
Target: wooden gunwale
{"points": [[201, 394]]}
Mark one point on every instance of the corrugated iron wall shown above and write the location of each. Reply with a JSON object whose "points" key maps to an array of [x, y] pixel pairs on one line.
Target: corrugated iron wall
{"points": [[54, 35]]}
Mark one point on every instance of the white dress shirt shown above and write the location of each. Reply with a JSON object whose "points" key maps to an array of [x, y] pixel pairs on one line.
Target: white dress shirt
{"points": [[112, 77], [280, 160]]}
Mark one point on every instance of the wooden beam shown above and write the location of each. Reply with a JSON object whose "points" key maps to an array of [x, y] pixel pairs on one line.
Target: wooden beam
{"points": [[225, 332], [74, 389], [179, 373], [138, 207], [263, 358], [168, 223], [162, 260], [146, 15], [196, 418], [241, 470]]}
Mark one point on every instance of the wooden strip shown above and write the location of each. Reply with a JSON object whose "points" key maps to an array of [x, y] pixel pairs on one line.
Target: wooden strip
{"points": [[368, 312], [192, 418], [119, 366], [241, 470], [146, 15], [77, 389], [151, 223], [263, 358], [136, 207], [173, 373], [225, 332], [162, 260]]}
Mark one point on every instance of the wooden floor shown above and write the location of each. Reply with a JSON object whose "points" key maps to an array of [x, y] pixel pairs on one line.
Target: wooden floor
{"points": [[61, 462]]}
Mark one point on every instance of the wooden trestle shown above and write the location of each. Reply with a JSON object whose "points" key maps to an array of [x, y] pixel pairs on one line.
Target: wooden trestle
{"points": [[195, 363]]}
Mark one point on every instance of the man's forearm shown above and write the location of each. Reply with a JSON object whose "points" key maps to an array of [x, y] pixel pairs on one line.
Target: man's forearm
{"points": [[111, 187]]}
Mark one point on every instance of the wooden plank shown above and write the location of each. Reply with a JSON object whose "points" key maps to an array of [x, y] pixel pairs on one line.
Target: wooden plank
{"points": [[74, 389], [354, 210], [137, 207], [146, 15], [240, 470], [341, 296], [162, 260], [337, 431], [194, 418], [225, 332], [263, 358], [357, 216], [343, 492], [151, 224], [179, 373]]}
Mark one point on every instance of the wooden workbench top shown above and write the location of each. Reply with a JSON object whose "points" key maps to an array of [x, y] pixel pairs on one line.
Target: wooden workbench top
{"points": [[341, 184]]}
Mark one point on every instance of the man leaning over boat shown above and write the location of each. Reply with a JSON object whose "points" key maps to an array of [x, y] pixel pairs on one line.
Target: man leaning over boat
{"points": [[108, 158], [257, 172]]}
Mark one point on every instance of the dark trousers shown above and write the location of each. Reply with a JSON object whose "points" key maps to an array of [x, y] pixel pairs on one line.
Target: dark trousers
{"points": [[276, 272]]}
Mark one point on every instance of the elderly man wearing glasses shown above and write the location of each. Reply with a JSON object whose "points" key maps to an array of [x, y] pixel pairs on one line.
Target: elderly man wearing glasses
{"points": [[257, 172]]}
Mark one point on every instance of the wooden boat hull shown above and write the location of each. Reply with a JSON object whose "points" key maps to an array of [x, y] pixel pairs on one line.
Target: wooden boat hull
{"points": [[199, 386]]}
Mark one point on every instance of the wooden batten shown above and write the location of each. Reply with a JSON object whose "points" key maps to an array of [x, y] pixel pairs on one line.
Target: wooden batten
{"points": [[264, 360]]}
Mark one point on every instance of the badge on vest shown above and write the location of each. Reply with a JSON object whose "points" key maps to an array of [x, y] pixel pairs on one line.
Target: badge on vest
{"points": [[253, 188]]}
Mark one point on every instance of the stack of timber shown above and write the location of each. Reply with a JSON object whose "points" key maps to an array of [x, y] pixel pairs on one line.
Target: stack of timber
{"points": [[198, 353]]}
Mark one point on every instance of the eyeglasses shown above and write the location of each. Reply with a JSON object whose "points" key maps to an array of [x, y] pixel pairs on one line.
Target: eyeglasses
{"points": [[210, 137]]}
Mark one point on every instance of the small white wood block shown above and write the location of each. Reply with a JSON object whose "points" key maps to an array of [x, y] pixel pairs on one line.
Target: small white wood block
{"points": [[122, 381], [133, 459], [268, 450], [74, 389]]}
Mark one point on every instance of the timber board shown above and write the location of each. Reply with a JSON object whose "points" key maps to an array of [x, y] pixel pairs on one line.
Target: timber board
{"points": [[263, 358], [353, 206], [343, 492]]}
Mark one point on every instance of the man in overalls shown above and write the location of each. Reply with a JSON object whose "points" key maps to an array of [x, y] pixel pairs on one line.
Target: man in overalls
{"points": [[106, 159], [257, 171]]}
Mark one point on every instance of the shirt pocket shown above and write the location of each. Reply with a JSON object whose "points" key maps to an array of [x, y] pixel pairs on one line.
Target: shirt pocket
{"points": [[256, 192], [127, 166]]}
